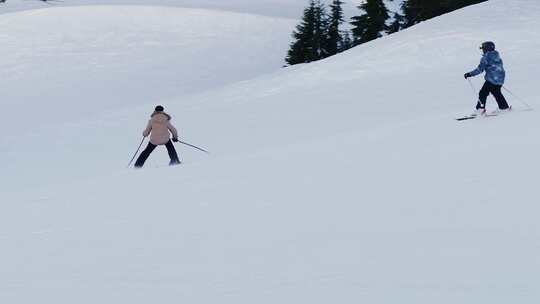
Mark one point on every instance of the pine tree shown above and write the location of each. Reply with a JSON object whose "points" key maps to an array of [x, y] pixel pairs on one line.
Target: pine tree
{"points": [[321, 41], [451, 5], [347, 42], [416, 11], [397, 25], [335, 36], [300, 50], [310, 36], [372, 23]]}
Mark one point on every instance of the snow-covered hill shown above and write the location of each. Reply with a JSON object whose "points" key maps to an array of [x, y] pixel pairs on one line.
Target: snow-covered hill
{"points": [[274, 8], [341, 181], [72, 62]]}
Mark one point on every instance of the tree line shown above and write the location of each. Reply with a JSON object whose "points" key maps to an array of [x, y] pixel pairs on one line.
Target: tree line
{"points": [[320, 33]]}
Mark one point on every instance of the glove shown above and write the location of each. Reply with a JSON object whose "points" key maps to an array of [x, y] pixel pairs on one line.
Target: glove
{"points": [[467, 75], [175, 139]]}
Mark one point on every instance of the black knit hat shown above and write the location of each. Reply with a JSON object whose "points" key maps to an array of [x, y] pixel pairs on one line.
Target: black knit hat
{"points": [[159, 109]]}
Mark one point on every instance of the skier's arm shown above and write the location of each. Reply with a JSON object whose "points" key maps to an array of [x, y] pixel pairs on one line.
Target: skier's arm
{"points": [[146, 131], [173, 130], [481, 67]]}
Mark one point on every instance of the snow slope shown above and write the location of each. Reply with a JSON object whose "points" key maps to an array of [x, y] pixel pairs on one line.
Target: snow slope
{"points": [[89, 60], [274, 8], [341, 181]]}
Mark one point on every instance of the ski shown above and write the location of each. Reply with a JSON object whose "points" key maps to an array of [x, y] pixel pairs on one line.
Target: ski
{"points": [[466, 117], [476, 116], [492, 114]]}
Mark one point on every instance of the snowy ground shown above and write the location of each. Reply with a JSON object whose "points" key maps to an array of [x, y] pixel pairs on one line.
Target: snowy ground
{"points": [[343, 181], [274, 8], [63, 70]]}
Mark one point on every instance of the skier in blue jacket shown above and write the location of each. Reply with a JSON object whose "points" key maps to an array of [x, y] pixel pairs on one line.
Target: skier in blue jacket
{"points": [[492, 64]]}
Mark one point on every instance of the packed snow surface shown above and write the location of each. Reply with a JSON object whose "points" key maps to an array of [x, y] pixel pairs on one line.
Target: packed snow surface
{"points": [[342, 181]]}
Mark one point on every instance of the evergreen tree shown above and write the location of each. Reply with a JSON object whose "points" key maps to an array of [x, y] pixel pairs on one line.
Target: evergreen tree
{"points": [[372, 23], [416, 11], [335, 36], [310, 36], [320, 37], [347, 42], [397, 24], [452, 5], [300, 50]]}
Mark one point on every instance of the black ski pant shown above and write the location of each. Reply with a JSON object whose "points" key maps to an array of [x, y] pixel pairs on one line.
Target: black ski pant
{"points": [[144, 155], [495, 90]]}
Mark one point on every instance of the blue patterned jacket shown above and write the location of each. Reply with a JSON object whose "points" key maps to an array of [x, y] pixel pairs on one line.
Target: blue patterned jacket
{"points": [[492, 64]]}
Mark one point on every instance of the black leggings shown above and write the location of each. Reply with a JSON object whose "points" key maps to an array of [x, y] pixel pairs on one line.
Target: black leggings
{"points": [[144, 155], [495, 90]]}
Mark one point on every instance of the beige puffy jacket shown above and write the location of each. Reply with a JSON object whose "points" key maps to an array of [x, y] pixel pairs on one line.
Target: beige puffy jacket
{"points": [[159, 126]]}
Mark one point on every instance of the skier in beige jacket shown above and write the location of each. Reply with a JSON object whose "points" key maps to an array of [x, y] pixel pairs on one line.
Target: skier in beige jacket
{"points": [[160, 129]]}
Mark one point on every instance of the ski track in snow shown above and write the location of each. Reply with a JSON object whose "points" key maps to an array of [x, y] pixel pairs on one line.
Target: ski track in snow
{"points": [[345, 180]]}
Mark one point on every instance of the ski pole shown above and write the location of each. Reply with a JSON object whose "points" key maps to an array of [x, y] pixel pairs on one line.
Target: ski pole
{"points": [[518, 99], [472, 86], [201, 149], [136, 152]]}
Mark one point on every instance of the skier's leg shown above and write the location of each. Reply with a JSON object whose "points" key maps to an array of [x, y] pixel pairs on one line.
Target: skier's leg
{"points": [[144, 155], [499, 97], [482, 96], [172, 153]]}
